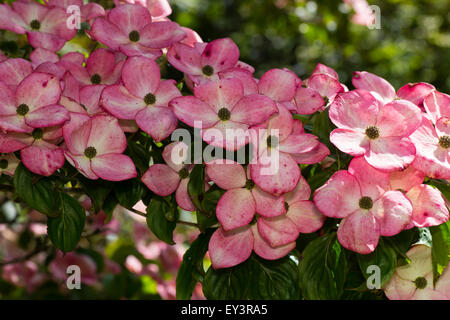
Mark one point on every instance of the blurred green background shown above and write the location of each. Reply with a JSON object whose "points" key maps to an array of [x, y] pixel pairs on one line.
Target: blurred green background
{"points": [[412, 45]]}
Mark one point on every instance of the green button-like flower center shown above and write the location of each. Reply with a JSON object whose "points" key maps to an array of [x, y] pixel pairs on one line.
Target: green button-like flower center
{"points": [[150, 98], [372, 132], [22, 109], [366, 203], [35, 25], [37, 133], [134, 36], [90, 152], [249, 184], [444, 142], [208, 70], [420, 282], [183, 173], [272, 141], [96, 79], [224, 114], [3, 164]]}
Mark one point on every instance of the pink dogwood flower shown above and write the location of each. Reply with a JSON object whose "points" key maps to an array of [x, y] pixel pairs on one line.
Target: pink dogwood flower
{"points": [[360, 196], [96, 147], [437, 105], [373, 130], [143, 97], [102, 67], [45, 27], [384, 92], [159, 9], [301, 216], [241, 190], [429, 208], [414, 281], [230, 248], [275, 169], [223, 113], [39, 151], [315, 155], [433, 148], [34, 104], [318, 91], [13, 71], [165, 179], [129, 28], [203, 62]]}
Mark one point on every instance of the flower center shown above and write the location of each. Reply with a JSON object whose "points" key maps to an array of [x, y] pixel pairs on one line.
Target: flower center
{"points": [[224, 114], [420, 282], [150, 98], [96, 79], [286, 206], [326, 100], [366, 203], [444, 142], [35, 25], [22, 109], [3, 164], [90, 152], [183, 173], [37, 133], [272, 141], [249, 184], [134, 36], [208, 70], [372, 132]]}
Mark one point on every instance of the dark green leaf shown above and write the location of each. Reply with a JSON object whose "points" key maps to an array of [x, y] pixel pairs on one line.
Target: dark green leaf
{"points": [[439, 250], [322, 127], [196, 185], [274, 280], [383, 257], [157, 211], [97, 190], [65, 229], [228, 284], [109, 205], [323, 269], [192, 266], [129, 192], [37, 191]]}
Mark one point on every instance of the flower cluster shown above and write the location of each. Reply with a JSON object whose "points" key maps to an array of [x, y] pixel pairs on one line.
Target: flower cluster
{"points": [[85, 110]]}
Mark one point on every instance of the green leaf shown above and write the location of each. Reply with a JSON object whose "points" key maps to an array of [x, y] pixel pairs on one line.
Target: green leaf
{"points": [[439, 250], [129, 192], [384, 257], [274, 280], [323, 270], [37, 191], [228, 284], [109, 205], [255, 278], [139, 154], [65, 230], [196, 185], [157, 211], [97, 190], [322, 127], [191, 267]]}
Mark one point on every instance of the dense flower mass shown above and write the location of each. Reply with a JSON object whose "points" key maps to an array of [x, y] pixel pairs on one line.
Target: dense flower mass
{"points": [[250, 147]]}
